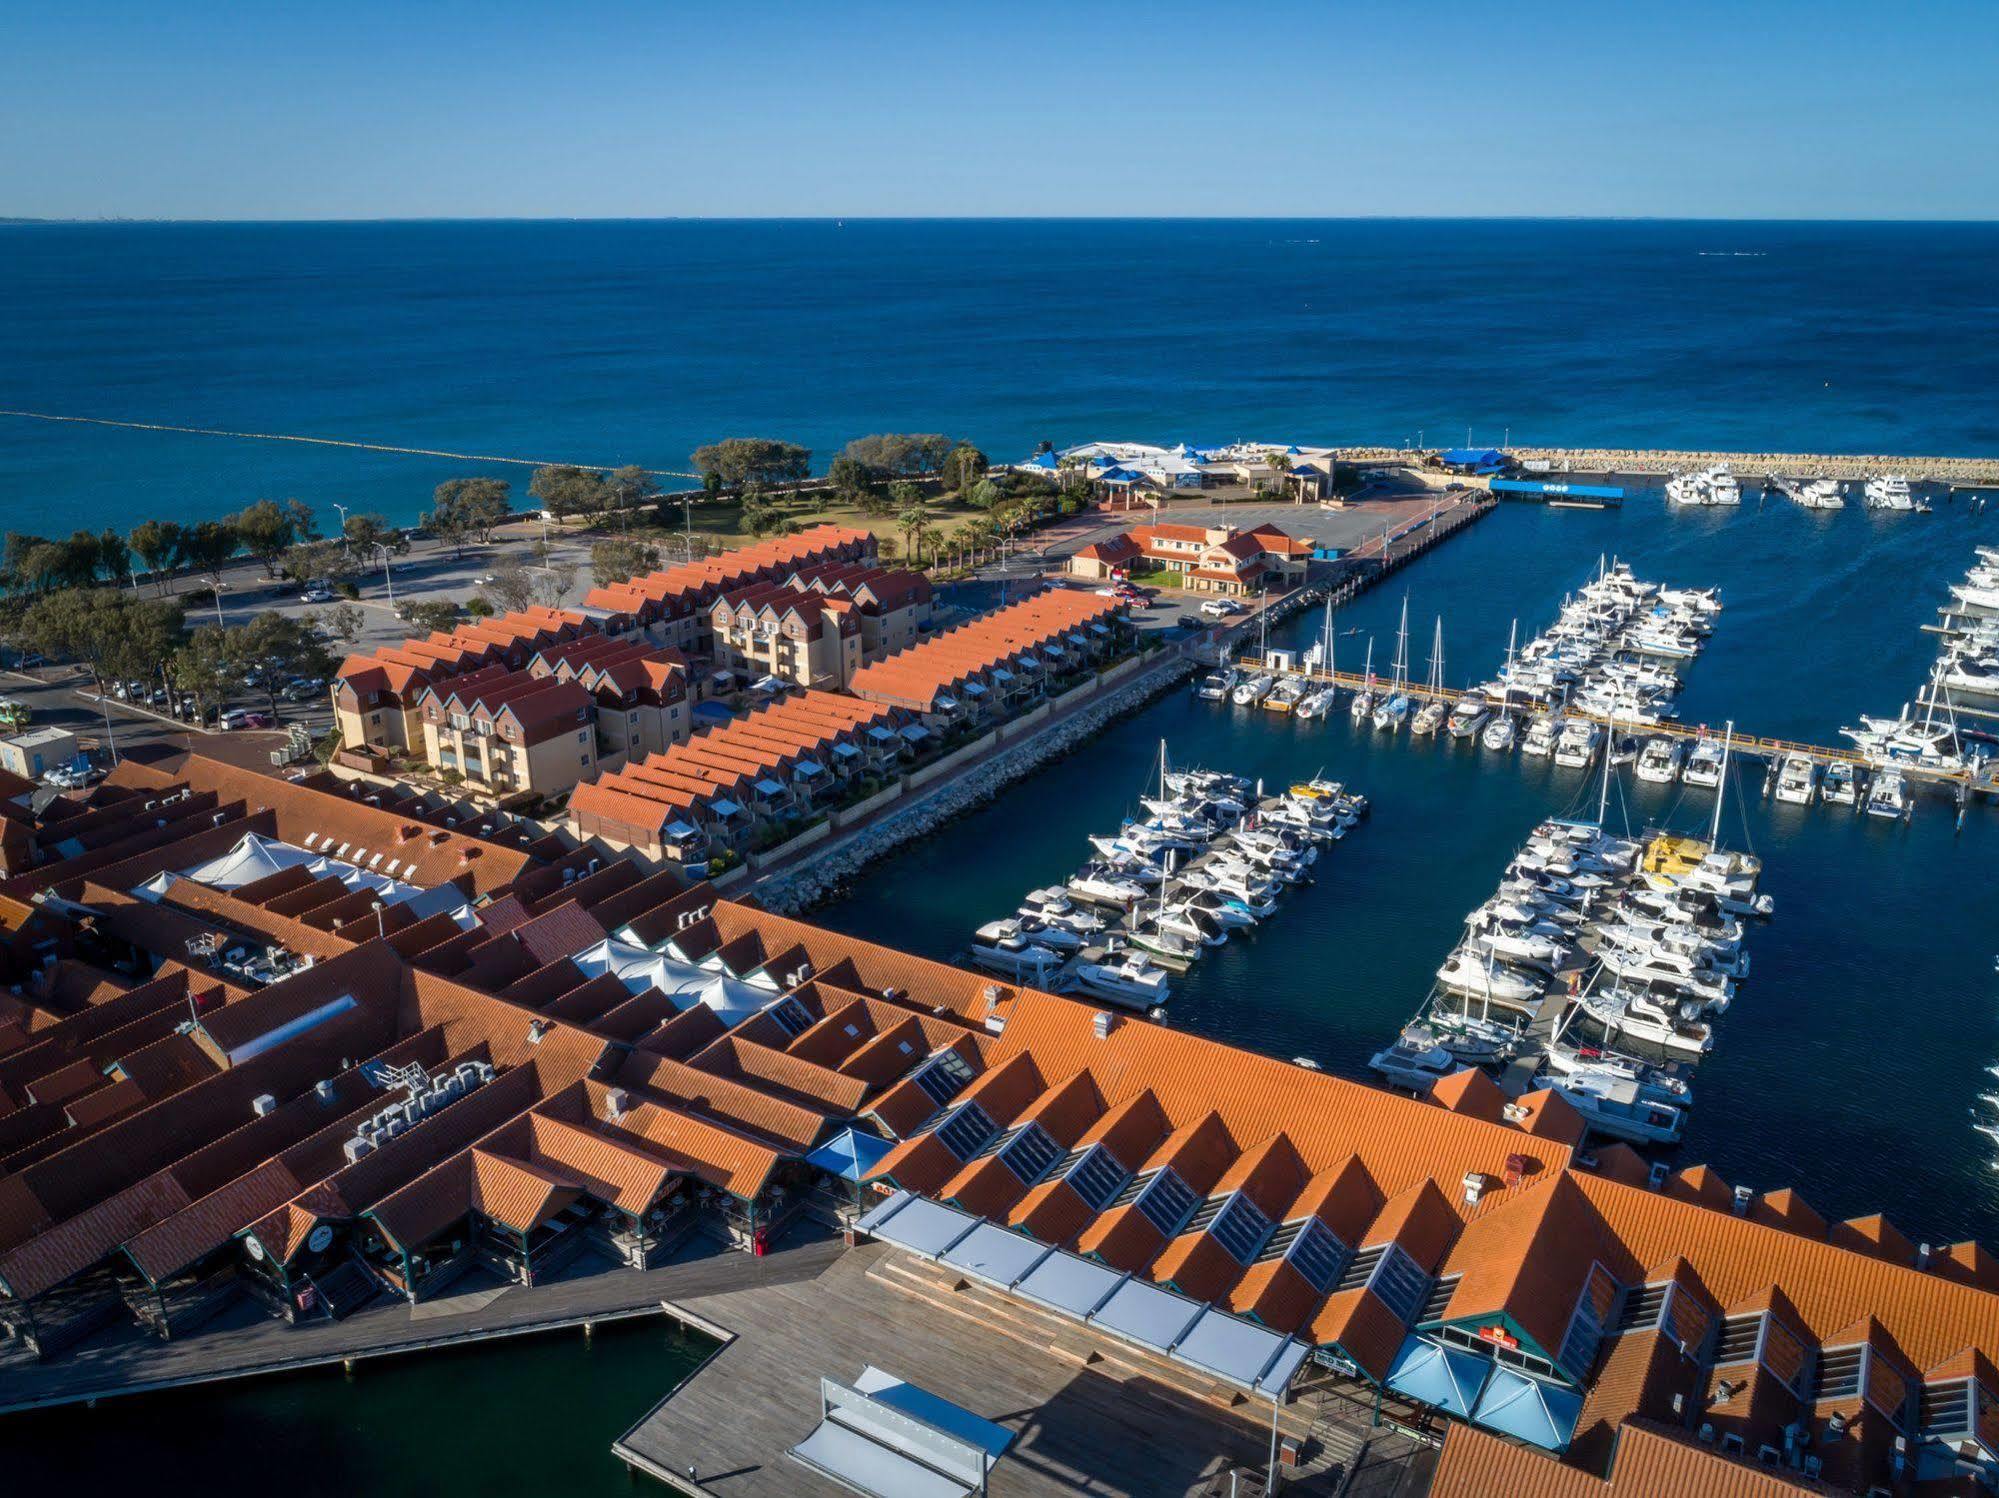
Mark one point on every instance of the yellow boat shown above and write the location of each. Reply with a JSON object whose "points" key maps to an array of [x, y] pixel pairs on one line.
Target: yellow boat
{"points": [[1671, 855]]}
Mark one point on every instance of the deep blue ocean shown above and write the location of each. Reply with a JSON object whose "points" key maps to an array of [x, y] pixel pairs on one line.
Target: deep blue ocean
{"points": [[1853, 1063], [636, 342]]}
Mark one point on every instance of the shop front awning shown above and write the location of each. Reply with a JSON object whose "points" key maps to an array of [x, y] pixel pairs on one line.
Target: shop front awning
{"points": [[1144, 1313], [975, 689], [1229, 1347], [1063, 1282], [916, 733], [995, 1254], [807, 768], [723, 807], [917, 1223], [1541, 1414]]}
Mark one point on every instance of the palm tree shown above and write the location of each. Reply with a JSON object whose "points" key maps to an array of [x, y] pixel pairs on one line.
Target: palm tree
{"points": [[915, 523]]}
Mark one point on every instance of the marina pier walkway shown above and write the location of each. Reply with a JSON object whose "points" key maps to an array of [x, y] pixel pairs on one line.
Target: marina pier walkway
{"points": [[243, 1341], [1089, 1415], [1751, 745]]}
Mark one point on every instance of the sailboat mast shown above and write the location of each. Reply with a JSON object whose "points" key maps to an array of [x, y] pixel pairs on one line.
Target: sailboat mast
{"points": [[1721, 785], [1603, 795]]}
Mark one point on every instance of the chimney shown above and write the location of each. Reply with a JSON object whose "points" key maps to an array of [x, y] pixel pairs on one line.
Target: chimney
{"points": [[1743, 1197], [323, 1089], [1656, 1177], [1923, 1255], [1103, 1024], [616, 1100], [1516, 1112], [1474, 1184]]}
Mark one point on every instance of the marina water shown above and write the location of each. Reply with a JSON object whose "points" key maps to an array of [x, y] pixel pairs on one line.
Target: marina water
{"points": [[1851, 1064]]}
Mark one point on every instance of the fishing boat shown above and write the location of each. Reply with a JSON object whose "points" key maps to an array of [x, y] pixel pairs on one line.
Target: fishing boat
{"points": [[1888, 796], [1797, 780]]}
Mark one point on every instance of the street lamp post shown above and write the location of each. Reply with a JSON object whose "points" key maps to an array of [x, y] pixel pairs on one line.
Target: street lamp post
{"points": [[218, 604], [388, 576]]}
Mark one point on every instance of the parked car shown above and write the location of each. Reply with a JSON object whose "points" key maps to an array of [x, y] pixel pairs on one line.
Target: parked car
{"points": [[303, 689], [1221, 608], [317, 593]]}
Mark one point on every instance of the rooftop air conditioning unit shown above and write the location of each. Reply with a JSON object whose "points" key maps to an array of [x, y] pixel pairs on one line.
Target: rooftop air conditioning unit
{"points": [[356, 1147], [1516, 1112], [1656, 1177], [1743, 1197], [323, 1089], [263, 1103]]}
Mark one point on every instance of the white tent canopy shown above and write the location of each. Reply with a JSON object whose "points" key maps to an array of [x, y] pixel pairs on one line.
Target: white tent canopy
{"points": [[640, 968], [258, 857]]}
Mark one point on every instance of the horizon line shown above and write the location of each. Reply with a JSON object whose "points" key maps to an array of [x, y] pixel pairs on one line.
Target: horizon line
{"points": [[103, 220]]}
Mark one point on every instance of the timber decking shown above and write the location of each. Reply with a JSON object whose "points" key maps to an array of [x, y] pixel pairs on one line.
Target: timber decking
{"points": [[244, 1340], [1090, 1418]]}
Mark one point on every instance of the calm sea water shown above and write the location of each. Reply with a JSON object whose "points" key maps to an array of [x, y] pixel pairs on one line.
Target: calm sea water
{"points": [[635, 342], [1853, 1062]]}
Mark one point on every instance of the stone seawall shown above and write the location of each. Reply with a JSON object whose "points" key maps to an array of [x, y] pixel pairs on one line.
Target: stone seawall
{"points": [[798, 889]]}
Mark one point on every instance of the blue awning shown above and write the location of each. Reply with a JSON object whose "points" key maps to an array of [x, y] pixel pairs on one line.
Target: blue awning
{"points": [[1539, 1413], [849, 1154], [1438, 1375], [1043, 460]]}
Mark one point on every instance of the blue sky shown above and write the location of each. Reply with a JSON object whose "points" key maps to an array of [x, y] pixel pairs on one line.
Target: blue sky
{"points": [[362, 109]]}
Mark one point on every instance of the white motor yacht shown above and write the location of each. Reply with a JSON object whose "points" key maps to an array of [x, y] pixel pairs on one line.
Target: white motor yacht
{"points": [[1015, 957], [1659, 761], [1703, 766], [1821, 494], [1054, 908], [1414, 1061], [1479, 976], [1468, 715], [1576, 745], [1572, 1059], [1889, 491], [1540, 740], [1129, 978], [1106, 888], [1637, 1017], [1216, 685], [1522, 945], [1027, 928], [1797, 780], [1618, 1108], [1840, 785]]}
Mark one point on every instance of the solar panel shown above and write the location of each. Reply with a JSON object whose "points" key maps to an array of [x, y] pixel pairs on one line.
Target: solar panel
{"points": [[1096, 1178], [965, 1130], [1167, 1202], [1030, 1152], [1318, 1255], [1240, 1227]]}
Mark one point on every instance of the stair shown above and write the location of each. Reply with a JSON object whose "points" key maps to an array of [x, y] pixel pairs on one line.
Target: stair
{"points": [[344, 1289]]}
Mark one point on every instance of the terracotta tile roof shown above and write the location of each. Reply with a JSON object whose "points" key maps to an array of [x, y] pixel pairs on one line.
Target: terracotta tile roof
{"points": [[1474, 1464], [719, 1156], [612, 1169], [560, 932], [1528, 1260], [517, 1194], [913, 678], [1362, 1326], [734, 1105]]}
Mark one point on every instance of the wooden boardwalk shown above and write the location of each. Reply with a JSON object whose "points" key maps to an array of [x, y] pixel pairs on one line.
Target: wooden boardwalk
{"points": [[244, 1341], [1091, 1417]]}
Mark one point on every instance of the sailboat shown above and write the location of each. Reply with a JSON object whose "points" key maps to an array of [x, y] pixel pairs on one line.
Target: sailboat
{"points": [[1430, 717], [1362, 705], [1393, 710]]}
